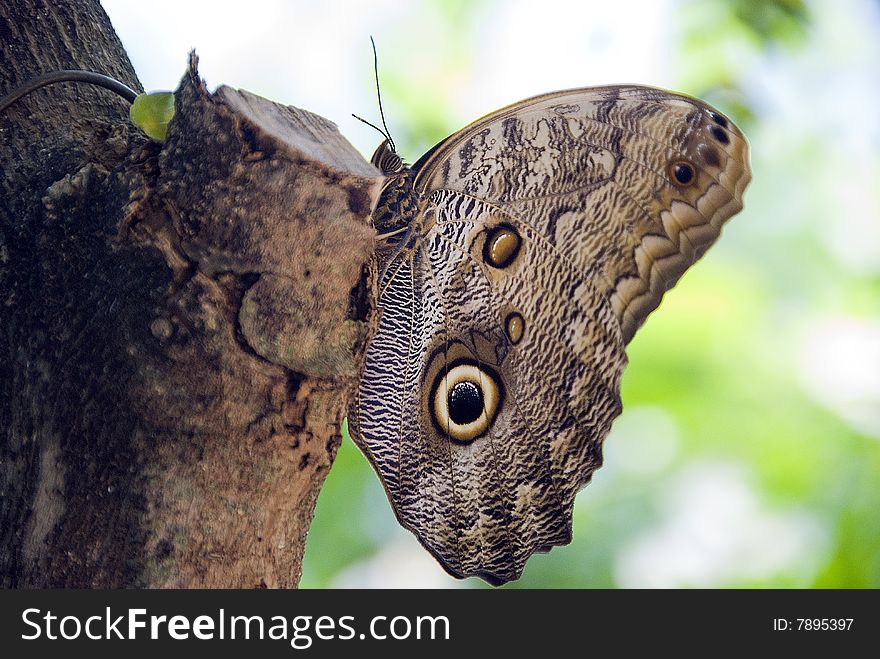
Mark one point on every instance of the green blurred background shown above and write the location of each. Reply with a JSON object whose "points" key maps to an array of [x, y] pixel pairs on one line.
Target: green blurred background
{"points": [[748, 452]]}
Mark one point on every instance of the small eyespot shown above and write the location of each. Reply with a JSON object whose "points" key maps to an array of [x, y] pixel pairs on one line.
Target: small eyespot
{"points": [[682, 172], [719, 134], [501, 247], [465, 400], [709, 155], [718, 119], [515, 326]]}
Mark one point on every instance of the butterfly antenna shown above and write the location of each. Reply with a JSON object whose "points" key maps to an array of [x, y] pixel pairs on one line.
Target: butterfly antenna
{"points": [[384, 134], [379, 94]]}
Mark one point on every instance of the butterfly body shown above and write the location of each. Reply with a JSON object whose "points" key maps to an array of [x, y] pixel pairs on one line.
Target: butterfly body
{"points": [[523, 252], [398, 205]]}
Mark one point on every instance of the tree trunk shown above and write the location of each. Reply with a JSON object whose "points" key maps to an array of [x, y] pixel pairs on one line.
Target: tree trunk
{"points": [[180, 324]]}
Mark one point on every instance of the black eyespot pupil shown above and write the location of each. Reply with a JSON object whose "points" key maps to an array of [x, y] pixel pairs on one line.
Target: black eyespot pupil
{"points": [[718, 119], [719, 134], [683, 173], [465, 402]]}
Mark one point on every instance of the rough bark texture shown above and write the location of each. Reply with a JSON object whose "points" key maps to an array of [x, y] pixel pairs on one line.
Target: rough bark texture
{"points": [[180, 324]]}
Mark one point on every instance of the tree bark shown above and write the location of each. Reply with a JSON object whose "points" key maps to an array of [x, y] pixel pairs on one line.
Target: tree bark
{"points": [[180, 324]]}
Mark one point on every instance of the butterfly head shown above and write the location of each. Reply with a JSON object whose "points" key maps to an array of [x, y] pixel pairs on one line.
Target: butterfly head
{"points": [[386, 159]]}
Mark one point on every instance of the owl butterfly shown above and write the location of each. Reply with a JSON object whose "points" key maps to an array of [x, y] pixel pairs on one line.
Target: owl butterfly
{"points": [[519, 257]]}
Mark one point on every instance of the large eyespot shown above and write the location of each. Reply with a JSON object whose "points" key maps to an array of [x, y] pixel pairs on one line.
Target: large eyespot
{"points": [[501, 246], [465, 400]]}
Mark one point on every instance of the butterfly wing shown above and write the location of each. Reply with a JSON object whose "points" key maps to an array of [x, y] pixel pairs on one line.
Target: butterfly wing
{"points": [[549, 230]]}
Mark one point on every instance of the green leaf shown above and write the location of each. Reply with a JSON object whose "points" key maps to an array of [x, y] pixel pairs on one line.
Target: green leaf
{"points": [[152, 112]]}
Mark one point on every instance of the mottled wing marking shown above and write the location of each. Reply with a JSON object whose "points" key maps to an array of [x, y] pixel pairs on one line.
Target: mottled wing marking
{"points": [[482, 527], [584, 180], [385, 376], [589, 168], [524, 478]]}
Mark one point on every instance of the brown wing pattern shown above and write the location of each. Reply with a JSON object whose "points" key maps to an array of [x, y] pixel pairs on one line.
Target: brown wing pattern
{"points": [[544, 235]]}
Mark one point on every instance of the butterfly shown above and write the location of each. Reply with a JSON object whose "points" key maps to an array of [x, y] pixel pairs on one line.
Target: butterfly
{"points": [[517, 258]]}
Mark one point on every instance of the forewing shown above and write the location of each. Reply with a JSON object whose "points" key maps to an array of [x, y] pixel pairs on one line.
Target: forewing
{"points": [[592, 171]]}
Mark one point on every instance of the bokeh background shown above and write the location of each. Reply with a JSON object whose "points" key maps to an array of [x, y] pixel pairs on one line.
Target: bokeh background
{"points": [[748, 452]]}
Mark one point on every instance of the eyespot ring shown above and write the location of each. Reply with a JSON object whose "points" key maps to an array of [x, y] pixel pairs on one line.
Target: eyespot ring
{"points": [[464, 400]]}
